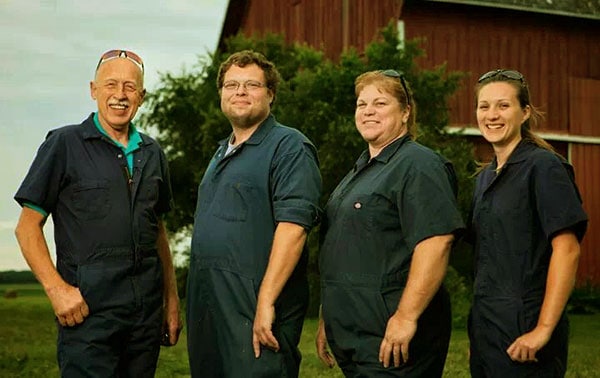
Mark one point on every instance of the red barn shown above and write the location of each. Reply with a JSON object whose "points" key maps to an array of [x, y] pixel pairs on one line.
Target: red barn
{"points": [[555, 44]]}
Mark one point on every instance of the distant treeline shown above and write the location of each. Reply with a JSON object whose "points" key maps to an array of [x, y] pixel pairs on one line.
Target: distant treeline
{"points": [[14, 277]]}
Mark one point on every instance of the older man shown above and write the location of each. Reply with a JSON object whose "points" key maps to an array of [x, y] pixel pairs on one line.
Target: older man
{"points": [[106, 186], [257, 201]]}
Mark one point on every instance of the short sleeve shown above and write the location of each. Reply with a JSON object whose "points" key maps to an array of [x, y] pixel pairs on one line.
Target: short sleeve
{"points": [[42, 183], [43, 212], [296, 183], [165, 199], [427, 202], [557, 198]]}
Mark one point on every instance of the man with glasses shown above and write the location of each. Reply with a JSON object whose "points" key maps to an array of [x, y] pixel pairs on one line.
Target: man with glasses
{"points": [[247, 287], [107, 187]]}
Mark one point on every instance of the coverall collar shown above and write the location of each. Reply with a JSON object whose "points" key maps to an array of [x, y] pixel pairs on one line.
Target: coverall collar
{"points": [[384, 156], [520, 153], [90, 131]]}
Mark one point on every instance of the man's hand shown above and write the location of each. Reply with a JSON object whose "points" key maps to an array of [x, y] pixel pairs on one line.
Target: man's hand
{"points": [[321, 343], [262, 333], [172, 323], [398, 335], [286, 250], [69, 306]]}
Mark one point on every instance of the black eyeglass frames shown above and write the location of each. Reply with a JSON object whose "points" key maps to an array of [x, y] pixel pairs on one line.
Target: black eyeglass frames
{"points": [[508, 74]]}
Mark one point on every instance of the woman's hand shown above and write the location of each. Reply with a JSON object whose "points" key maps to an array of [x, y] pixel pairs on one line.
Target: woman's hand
{"points": [[398, 335], [321, 344], [524, 348]]}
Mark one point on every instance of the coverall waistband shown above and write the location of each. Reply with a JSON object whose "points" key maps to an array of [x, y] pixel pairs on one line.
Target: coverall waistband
{"points": [[391, 280]]}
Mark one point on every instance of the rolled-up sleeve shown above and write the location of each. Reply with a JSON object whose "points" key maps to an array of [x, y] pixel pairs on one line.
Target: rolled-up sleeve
{"points": [[296, 183]]}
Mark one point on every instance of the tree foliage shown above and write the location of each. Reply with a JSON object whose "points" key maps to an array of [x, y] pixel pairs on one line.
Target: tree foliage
{"points": [[316, 96]]}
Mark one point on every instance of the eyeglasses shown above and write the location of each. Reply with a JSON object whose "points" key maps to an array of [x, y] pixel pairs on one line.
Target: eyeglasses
{"points": [[398, 75], [508, 74], [249, 85], [112, 54]]}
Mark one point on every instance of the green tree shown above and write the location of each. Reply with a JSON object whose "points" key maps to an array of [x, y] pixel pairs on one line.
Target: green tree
{"points": [[316, 96]]}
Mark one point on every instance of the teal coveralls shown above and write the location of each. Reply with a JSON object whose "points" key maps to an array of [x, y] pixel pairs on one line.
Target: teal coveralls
{"points": [[515, 215], [272, 177], [373, 220]]}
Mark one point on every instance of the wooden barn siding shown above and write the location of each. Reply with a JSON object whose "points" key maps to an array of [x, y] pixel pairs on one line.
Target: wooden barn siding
{"points": [[548, 50], [317, 22], [586, 160], [370, 17], [584, 100], [320, 23]]}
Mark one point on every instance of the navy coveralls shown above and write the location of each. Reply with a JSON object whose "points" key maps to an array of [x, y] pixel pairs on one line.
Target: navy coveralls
{"points": [[272, 177], [373, 220], [105, 230], [515, 216]]}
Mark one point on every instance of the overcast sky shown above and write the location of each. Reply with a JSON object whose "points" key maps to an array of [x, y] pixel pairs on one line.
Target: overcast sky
{"points": [[48, 54]]}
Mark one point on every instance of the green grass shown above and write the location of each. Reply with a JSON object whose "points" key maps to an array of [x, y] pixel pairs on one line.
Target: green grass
{"points": [[27, 333], [28, 337]]}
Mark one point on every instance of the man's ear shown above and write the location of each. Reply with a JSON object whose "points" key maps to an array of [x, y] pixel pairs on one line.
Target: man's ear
{"points": [[93, 90], [142, 95], [272, 97]]}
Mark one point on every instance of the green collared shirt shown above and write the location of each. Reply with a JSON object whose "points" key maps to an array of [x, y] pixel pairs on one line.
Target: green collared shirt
{"points": [[134, 141]]}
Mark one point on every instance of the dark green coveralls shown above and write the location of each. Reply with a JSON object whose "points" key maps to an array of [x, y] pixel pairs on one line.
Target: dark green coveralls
{"points": [[272, 177], [373, 220], [105, 230], [515, 215]]}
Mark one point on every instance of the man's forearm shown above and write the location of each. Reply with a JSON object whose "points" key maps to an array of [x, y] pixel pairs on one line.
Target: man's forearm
{"points": [[288, 243], [164, 253], [30, 236]]}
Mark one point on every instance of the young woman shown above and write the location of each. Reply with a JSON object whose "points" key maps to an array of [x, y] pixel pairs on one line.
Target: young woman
{"points": [[527, 223]]}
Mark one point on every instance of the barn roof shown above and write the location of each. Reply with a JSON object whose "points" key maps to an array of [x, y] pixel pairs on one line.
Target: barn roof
{"points": [[572, 8]]}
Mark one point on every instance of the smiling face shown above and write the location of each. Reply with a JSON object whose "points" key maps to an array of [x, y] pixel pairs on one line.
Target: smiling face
{"points": [[119, 91], [500, 115], [246, 106], [379, 117]]}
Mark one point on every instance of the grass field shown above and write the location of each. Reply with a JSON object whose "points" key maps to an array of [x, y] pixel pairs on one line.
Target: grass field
{"points": [[27, 343]]}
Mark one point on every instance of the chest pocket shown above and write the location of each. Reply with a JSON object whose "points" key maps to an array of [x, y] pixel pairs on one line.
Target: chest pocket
{"points": [[514, 220], [233, 201], [151, 189], [369, 212], [91, 199]]}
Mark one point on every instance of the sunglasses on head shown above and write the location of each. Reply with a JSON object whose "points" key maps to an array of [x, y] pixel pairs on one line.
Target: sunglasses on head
{"points": [[508, 74], [112, 54], [398, 75]]}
